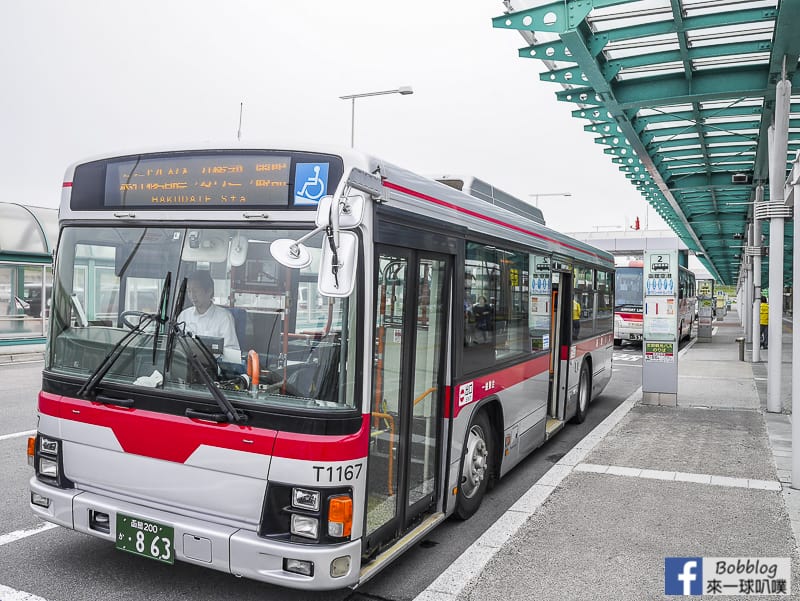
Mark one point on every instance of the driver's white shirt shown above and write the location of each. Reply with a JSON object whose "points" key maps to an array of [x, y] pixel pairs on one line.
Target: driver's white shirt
{"points": [[217, 322]]}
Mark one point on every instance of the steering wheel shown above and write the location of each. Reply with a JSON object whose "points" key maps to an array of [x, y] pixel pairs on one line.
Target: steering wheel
{"points": [[125, 314]]}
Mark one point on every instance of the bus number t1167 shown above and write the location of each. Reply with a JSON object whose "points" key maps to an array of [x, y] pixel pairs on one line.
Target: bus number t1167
{"points": [[337, 474]]}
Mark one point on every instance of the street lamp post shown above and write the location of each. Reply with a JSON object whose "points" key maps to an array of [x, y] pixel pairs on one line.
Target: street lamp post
{"points": [[404, 90], [537, 195]]}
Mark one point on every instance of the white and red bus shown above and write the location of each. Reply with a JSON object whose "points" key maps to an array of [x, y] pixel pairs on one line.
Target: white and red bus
{"points": [[628, 303], [398, 346]]}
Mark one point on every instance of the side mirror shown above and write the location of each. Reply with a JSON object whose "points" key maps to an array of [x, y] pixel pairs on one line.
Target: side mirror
{"points": [[351, 211], [290, 253], [337, 270]]}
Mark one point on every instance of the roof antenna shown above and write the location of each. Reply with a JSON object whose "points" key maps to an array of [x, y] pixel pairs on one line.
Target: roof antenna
{"points": [[239, 132]]}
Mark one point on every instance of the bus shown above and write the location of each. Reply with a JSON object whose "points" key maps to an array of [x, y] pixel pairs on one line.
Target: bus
{"points": [[367, 403], [628, 304]]}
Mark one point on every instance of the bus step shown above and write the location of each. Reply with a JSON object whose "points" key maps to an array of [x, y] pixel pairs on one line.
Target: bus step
{"points": [[400, 547], [552, 426]]}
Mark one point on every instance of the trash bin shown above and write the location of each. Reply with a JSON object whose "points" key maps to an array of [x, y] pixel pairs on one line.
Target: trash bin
{"points": [[740, 340]]}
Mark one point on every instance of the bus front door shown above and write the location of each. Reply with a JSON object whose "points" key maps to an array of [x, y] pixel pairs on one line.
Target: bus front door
{"points": [[412, 296], [560, 348]]}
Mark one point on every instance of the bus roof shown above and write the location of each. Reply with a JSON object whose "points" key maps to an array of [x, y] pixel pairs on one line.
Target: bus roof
{"points": [[409, 191]]}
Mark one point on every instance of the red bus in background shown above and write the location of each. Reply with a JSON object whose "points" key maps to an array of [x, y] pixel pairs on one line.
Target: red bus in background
{"points": [[628, 303]]}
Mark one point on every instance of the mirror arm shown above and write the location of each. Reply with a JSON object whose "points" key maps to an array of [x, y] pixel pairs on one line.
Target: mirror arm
{"points": [[302, 239]]}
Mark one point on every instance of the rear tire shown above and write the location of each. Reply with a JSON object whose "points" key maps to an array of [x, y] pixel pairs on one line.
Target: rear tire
{"points": [[476, 466], [584, 395]]}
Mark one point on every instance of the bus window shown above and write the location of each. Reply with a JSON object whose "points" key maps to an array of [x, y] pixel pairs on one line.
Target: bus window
{"points": [[583, 303], [496, 322]]}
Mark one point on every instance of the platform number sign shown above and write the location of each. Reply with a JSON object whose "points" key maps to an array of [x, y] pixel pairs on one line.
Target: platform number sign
{"points": [[659, 264]]}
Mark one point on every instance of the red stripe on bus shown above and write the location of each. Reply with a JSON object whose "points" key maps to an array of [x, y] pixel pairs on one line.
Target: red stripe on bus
{"points": [[630, 316], [66, 185], [493, 383], [477, 215], [175, 438]]}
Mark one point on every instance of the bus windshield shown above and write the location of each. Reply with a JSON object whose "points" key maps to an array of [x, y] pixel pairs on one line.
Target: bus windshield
{"points": [[629, 287], [259, 331]]}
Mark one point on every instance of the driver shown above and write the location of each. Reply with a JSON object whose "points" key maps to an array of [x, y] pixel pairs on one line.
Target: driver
{"points": [[204, 318]]}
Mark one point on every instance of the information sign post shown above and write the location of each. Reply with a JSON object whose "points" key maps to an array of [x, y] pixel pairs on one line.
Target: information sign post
{"points": [[660, 332], [705, 309]]}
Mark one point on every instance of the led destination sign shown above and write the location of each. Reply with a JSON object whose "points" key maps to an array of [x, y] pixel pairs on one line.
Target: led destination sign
{"points": [[193, 181]]}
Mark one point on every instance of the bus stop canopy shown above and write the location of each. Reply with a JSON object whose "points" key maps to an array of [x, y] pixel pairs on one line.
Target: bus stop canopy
{"points": [[27, 230], [680, 94]]}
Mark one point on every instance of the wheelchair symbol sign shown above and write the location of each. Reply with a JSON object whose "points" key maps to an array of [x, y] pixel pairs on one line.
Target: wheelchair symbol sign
{"points": [[310, 183]]}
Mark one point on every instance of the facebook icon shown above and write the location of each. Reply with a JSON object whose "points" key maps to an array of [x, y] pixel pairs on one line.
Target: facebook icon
{"points": [[683, 576]]}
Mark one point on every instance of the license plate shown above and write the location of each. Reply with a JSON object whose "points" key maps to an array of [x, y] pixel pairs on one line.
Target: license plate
{"points": [[145, 538]]}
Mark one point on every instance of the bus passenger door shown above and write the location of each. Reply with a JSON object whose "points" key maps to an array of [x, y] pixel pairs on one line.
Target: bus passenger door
{"points": [[561, 336], [412, 296]]}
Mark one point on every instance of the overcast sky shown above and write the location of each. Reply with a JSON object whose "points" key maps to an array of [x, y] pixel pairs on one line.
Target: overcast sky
{"points": [[93, 76]]}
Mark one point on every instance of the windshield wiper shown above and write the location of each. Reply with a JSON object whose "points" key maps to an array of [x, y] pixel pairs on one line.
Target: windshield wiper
{"points": [[172, 328], [87, 390], [162, 312], [229, 412]]}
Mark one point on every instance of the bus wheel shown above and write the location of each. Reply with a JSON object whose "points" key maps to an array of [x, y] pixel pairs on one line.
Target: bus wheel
{"points": [[475, 468], [617, 341], [584, 395]]}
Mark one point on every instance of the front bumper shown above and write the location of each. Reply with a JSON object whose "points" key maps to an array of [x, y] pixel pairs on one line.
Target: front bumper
{"points": [[228, 549]]}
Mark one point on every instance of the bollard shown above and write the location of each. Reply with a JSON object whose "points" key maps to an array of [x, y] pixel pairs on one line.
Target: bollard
{"points": [[740, 340]]}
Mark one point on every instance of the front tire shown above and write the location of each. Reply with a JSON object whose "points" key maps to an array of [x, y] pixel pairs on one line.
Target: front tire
{"points": [[584, 395], [476, 466]]}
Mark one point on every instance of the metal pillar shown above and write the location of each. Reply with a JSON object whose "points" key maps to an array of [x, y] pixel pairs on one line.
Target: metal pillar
{"points": [[794, 194], [779, 142], [747, 291], [756, 253]]}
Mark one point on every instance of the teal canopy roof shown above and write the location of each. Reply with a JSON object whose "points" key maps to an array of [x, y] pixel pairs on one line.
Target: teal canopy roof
{"points": [[680, 94]]}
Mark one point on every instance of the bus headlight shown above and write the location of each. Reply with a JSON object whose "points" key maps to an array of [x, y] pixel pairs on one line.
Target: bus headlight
{"points": [[318, 515], [47, 459], [305, 526], [48, 445], [303, 498], [48, 468]]}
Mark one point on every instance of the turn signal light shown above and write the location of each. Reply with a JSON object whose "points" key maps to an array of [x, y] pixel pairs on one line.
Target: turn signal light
{"points": [[31, 449], [340, 516]]}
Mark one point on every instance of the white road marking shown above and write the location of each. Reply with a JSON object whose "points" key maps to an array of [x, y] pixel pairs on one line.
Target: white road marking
{"points": [[18, 434], [19, 534], [10, 594], [709, 479]]}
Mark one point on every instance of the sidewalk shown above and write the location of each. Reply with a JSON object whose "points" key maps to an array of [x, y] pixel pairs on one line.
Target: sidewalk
{"points": [[708, 478], [21, 353]]}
